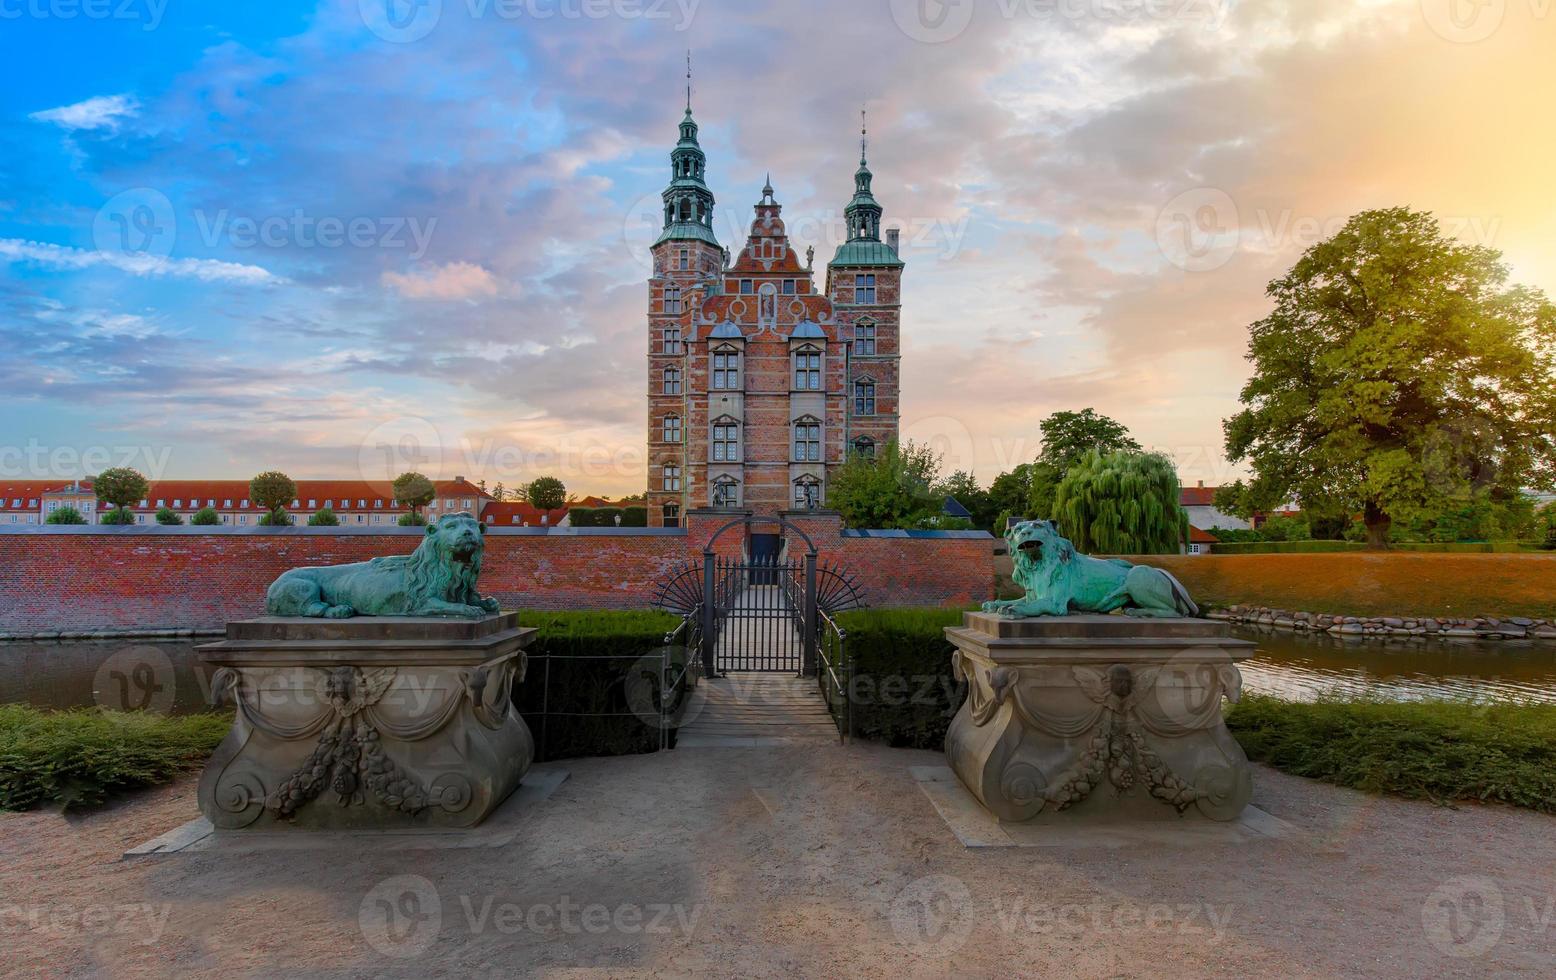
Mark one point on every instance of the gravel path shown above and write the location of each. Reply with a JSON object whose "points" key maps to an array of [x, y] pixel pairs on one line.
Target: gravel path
{"points": [[806, 861]]}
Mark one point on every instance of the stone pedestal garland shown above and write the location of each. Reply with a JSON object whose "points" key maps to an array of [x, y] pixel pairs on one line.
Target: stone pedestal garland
{"points": [[1438, 627], [384, 722], [1105, 716]]}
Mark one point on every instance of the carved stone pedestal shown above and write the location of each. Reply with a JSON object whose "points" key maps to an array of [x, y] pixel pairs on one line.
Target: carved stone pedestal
{"points": [[1099, 717], [371, 722]]}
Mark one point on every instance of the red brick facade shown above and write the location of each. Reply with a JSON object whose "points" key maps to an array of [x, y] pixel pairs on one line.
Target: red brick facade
{"points": [[759, 386], [85, 578]]}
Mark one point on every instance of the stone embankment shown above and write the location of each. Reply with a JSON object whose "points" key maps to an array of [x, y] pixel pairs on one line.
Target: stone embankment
{"points": [[1440, 627]]}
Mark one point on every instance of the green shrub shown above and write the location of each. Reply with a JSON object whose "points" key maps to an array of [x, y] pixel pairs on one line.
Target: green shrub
{"points": [[1287, 547], [903, 692], [634, 517], [1443, 751], [118, 516], [205, 517], [276, 518], [594, 516], [324, 518], [412, 520], [579, 707], [64, 515], [80, 758], [167, 517]]}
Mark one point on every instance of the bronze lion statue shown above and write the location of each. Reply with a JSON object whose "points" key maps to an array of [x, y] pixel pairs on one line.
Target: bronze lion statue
{"points": [[438, 579], [1059, 580]]}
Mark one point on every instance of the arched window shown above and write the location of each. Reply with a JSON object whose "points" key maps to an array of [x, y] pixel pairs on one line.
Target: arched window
{"points": [[726, 440], [726, 492], [864, 447], [726, 369], [807, 440], [672, 428], [807, 493], [807, 368], [864, 397], [672, 381]]}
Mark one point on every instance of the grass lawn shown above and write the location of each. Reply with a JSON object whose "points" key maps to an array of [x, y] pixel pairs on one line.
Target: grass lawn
{"points": [[79, 758], [1374, 583], [1442, 751]]}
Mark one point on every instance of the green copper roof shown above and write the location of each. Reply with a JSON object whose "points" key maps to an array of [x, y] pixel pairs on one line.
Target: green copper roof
{"points": [[687, 230], [865, 251]]}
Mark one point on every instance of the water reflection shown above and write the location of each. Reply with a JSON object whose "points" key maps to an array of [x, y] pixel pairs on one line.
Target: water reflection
{"points": [[134, 675], [1305, 666]]}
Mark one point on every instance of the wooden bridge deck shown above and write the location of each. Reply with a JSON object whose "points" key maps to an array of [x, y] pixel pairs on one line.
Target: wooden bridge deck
{"points": [[749, 709]]}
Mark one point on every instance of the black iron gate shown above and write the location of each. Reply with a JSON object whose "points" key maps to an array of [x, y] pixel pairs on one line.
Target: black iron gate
{"points": [[765, 609]]}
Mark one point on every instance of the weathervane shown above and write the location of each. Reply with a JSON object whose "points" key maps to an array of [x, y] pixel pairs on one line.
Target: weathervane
{"points": [[688, 80], [864, 133]]}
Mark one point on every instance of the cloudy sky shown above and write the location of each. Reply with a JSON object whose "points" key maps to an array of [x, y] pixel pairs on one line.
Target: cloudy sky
{"points": [[343, 236]]}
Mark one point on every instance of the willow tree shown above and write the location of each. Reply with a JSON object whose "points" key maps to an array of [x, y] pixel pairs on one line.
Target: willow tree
{"points": [[1122, 504]]}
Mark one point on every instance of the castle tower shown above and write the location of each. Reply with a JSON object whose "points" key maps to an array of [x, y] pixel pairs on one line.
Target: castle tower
{"points": [[864, 282]]}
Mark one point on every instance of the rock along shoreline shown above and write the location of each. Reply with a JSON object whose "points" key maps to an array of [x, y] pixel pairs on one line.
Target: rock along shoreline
{"points": [[1392, 627]]}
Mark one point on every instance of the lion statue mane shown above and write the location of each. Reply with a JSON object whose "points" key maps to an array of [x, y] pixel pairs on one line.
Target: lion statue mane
{"points": [[1059, 581], [438, 579]]}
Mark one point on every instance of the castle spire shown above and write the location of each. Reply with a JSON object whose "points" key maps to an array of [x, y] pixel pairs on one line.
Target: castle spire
{"points": [[864, 135], [863, 214], [688, 81], [688, 202]]}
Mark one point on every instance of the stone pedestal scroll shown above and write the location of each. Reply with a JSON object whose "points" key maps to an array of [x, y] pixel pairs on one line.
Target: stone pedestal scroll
{"points": [[1098, 717], [368, 722]]}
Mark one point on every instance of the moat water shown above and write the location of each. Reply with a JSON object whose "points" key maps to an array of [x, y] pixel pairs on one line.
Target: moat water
{"points": [[167, 675]]}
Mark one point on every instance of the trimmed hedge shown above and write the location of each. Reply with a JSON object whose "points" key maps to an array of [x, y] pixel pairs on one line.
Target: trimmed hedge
{"points": [[580, 707], [606, 516], [80, 758], [1445, 751], [903, 692], [1285, 547]]}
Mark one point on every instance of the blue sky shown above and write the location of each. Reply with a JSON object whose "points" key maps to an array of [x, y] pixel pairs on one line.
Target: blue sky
{"points": [[336, 237]]}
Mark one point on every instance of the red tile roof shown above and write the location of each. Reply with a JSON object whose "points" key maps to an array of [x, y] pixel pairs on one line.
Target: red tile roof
{"points": [[1198, 496], [30, 492], [514, 513], [198, 493], [1196, 536]]}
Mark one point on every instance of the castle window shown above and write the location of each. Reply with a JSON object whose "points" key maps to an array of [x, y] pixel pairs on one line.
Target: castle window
{"points": [[807, 440], [864, 447], [726, 492], [726, 441], [807, 369], [672, 428], [672, 299], [726, 369], [864, 287], [864, 398], [672, 381], [685, 258], [789, 287], [807, 493], [864, 338], [672, 479], [746, 286], [672, 514], [673, 340]]}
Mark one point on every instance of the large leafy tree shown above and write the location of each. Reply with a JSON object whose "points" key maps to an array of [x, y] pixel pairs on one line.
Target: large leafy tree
{"points": [[546, 493], [893, 489], [415, 491], [1398, 373], [273, 490], [1122, 504], [121, 487], [966, 490], [1068, 437]]}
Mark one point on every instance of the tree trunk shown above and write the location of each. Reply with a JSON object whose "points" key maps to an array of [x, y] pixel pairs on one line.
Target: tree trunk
{"points": [[1378, 523]]}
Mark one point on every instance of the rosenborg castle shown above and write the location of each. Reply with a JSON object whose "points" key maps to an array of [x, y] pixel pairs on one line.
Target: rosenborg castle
{"points": [[759, 385]]}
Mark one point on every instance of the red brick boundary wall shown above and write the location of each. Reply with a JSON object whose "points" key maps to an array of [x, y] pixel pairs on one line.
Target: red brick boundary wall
{"points": [[152, 577]]}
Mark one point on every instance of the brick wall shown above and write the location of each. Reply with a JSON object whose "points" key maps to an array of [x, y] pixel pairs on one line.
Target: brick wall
{"points": [[75, 578]]}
